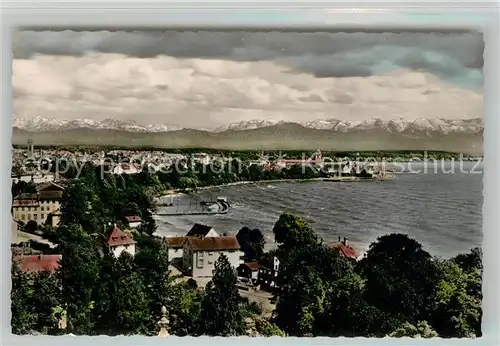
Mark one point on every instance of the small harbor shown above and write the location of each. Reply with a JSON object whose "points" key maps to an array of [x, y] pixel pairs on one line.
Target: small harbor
{"points": [[179, 205]]}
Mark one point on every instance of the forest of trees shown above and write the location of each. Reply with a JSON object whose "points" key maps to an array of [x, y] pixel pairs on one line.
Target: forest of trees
{"points": [[396, 289]]}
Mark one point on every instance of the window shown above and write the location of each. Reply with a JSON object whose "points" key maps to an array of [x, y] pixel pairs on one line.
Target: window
{"points": [[200, 254], [35, 216], [29, 216], [200, 263], [42, 216], [210, 253], [23, 217], [43, 208]]}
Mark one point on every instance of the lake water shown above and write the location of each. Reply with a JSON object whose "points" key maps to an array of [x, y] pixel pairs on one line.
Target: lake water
{"points": [[443, 211]]}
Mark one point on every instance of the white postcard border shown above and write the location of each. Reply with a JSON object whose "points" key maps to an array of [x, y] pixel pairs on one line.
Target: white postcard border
{"points": [[316, 14]]}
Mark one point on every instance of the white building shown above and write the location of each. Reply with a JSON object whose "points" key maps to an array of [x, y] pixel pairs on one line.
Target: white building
{"points": [[133, 221], [38, 206], [120, 241], [201, 253], [175, 247]]}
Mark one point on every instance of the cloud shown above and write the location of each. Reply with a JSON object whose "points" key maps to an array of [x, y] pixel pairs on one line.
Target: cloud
{"points": [[454, 57], [207, 93]]}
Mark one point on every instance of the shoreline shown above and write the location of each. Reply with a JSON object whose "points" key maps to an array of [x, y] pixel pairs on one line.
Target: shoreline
{"points": [[259, 182], [245, 182]]}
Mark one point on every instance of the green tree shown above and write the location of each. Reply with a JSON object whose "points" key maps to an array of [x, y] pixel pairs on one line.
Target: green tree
{"points": [[400, 276], [78, 274], [421, 330], [470, 261], [268, 329], [24, 318], [457, 312], [35, 298], [291, 232], [221, 314], [130, 302], [76, 206], [184, 306], [46, 301], [251, 242], [301, 299], [151, 260]]}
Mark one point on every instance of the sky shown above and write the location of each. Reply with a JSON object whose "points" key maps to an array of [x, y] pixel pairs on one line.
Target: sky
{"points": [[208, 79]]}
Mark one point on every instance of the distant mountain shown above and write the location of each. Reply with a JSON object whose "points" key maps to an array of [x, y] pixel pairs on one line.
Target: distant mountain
{"points": [[246, 125], [41, 124], [418, 126], [459, 137]]}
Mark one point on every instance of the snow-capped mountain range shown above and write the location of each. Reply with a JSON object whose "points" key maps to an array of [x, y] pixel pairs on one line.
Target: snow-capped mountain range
{"points": [[41, 124], [421, 125], [400, 125]]}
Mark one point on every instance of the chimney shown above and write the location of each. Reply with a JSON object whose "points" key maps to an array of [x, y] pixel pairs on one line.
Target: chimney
{"points": [[345, 241], [340, 239]]}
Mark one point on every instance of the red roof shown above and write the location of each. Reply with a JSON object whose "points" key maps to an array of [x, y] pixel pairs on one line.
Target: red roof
{"points": [[345, 250], [175, 242], [38, 263], [133, 218], [212, 243], [118, 237], [253, 266]]}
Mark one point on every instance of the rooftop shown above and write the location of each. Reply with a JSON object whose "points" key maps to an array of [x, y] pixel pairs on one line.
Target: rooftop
{"points": [[38, 263], [133, 218], [212, 243], [118, 237], [175, 242], [346, 250], [199, 230], [253, 266]]}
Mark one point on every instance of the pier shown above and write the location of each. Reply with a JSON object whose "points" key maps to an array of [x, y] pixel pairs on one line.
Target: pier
{"points": [[221, 206]]}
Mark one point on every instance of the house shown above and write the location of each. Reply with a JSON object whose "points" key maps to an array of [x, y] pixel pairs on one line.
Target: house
{"points": [[133, 221], [344, 249], [175, 247], [199, 230], [38, 206], [200, 254], [249, 270], [38, 263], [268, 277], [120, 241]]}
